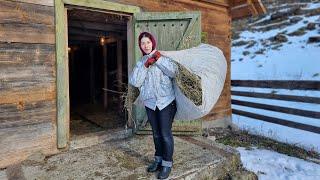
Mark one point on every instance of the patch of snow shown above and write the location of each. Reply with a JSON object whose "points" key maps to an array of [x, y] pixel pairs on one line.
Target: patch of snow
{"points": [[291, 62], [301, 138], [310, 6], [272, 165]]}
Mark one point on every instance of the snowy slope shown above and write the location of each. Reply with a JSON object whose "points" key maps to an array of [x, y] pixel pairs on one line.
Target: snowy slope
{"points": [[293, 58], [272, 165]]}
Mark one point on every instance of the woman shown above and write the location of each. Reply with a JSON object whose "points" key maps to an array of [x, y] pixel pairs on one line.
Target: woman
{"points": [[153, 76]]}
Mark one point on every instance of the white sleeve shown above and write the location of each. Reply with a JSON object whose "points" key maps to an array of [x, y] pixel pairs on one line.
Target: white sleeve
{"points": [[138, 74]]}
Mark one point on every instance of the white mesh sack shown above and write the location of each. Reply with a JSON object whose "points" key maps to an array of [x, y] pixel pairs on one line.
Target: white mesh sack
{"points": [[207, 62]]}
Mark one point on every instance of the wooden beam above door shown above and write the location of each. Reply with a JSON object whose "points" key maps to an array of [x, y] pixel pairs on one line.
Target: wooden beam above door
{"points": [[97, 26]]}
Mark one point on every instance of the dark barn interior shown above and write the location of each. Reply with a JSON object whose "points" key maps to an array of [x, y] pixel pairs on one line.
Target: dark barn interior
{"points": [[97, 46]]}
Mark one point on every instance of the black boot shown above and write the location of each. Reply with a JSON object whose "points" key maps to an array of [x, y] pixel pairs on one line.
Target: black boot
{"points": [[164, 173], [154, 166]]}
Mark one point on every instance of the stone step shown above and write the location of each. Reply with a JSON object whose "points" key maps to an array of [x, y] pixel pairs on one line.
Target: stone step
{"points": [[195, 157]]}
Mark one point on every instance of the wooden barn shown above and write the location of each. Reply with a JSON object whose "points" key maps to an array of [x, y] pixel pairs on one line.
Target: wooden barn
{"points": [[64, 64]]}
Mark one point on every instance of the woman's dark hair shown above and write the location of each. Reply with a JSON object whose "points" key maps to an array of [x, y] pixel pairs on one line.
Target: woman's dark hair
{"points": [[151, 37]]}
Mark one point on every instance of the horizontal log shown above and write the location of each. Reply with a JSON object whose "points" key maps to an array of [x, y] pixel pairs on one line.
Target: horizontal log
{"points": [[305, 99], [19, 77], [25, 13], [40, 2], [29, 94], [27, 113], [21, 54], [278, 84], [278, 121], [293, 111], [17, 143], [27, 33], [234, 3], [241, 11]]}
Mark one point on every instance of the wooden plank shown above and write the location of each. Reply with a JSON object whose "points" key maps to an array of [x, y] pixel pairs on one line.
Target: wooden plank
{"points": [[96, 26], [235, 3], [224, 3], [305, 99], [245, 8], [100, 4], [259, 6], [24, 13], [40, 2], [29, 23], [119, 65], [28, 94], [25, 113], [63, 102], [214, 5], [18, 143], [278, 84], [254, 11], [149, 16], [131, 42], [105, 76], [92, 75], [279, 121], [21, 54], [192, 34], [293, 111], [241, 11], [19, 77], [77, 39], [27, 33]]}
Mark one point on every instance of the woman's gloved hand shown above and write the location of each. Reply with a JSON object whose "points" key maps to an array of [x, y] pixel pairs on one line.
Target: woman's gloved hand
{"points": [[149, 62], [156, 55]]}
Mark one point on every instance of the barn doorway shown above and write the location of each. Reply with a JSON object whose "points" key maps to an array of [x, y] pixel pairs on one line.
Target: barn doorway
{"points": [[98, 66]]}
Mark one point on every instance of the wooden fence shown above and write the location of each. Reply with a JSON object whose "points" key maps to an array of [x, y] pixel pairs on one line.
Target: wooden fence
{"points": [[277, 84]]}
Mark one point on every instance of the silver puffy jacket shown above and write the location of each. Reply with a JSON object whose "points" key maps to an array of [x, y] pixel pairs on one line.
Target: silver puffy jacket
{"points": [[155, 83]]}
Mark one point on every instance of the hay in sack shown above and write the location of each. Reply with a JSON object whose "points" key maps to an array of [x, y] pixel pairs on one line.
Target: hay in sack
{"points": [[199, 80]]}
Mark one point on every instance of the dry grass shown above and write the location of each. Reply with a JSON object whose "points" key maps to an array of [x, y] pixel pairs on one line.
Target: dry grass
{"points": [[189, 84], [244, 139]]}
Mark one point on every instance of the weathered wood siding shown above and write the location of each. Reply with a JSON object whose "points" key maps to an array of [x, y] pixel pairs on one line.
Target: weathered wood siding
{"points": [[28, 70], [27, 79], [216, 23]]}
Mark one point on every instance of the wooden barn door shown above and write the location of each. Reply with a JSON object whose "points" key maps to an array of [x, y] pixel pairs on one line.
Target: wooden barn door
{"points": [[173, 31]]}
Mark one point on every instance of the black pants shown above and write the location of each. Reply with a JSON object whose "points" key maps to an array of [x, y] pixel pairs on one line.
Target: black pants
{"points": [[161, 123]]}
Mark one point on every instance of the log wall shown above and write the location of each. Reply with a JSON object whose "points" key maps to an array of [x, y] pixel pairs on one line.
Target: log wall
{"points": [[27, 79]]}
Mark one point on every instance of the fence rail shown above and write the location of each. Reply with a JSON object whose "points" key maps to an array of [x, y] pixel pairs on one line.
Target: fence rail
{"points": [[305, 99], [290, 85], [279, 84]]}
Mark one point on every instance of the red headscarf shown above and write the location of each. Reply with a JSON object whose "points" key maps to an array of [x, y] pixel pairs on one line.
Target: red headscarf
{"points": [[150, 36]]}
